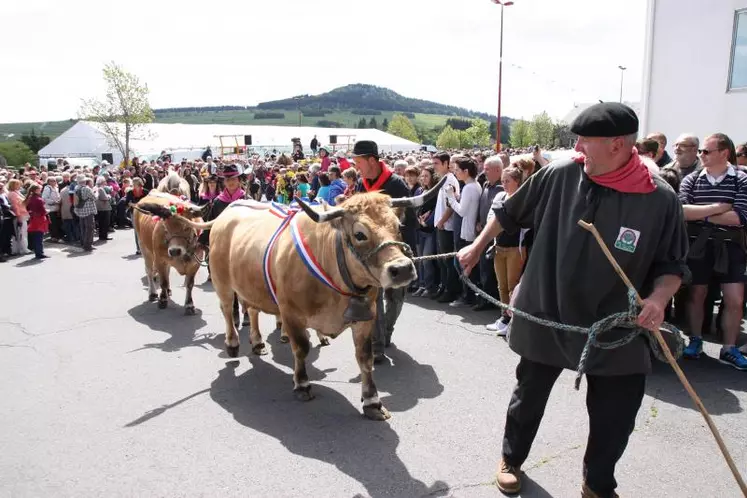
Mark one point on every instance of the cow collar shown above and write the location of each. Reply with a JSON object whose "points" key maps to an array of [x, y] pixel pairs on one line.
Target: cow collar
{"points": [[342, 264]]}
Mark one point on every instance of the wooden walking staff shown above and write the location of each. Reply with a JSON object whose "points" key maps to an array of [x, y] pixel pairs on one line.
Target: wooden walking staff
{"points": [[664, 347]]}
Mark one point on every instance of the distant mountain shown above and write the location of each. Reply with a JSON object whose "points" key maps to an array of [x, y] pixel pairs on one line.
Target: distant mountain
{"points": [[369, 97]]}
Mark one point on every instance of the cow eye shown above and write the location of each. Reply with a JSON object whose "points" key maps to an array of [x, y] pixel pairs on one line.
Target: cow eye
{"points": [[360, 236]]}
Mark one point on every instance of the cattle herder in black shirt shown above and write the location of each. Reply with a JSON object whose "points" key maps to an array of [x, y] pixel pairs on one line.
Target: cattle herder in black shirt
{"points": [[376, 176], [569, 280]]}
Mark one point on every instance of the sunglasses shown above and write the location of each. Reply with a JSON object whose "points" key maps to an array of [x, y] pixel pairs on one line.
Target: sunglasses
{"points": [[705, 152], [742, 154]]}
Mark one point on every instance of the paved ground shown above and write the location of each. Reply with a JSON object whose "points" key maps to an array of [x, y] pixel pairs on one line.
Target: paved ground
{"points": [[105, 395]]}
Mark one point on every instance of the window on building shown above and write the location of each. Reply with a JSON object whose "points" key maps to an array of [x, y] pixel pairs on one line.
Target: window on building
{"points": [[738, 74]]}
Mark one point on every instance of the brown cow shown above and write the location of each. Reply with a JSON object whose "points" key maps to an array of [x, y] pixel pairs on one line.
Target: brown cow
{"points": [[169, 240], [175, 185], [357, 247]]}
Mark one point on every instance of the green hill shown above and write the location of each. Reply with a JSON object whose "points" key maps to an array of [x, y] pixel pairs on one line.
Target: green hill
{"points": [[342, 107]]}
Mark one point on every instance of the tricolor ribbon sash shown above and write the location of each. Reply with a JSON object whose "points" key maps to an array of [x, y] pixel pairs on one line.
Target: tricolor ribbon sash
{"points": [[288, 215]]}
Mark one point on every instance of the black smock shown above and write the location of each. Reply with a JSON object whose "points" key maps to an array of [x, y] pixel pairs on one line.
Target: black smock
{"points": [[568, 278]]}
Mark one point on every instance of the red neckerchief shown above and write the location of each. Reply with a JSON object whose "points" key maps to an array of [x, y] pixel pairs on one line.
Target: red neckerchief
{"points": [[633, 178], [380, 181]]}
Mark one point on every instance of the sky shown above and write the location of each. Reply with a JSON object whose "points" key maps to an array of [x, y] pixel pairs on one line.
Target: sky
{"points": [[557, 53]]}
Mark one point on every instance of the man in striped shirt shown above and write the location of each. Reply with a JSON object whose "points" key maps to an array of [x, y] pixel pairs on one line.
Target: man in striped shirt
{"points": [[715, 206]]}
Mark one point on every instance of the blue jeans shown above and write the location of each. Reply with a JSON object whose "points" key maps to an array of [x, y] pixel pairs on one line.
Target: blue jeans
{"points": [[71, 232], [36, 241], [428, 271]]}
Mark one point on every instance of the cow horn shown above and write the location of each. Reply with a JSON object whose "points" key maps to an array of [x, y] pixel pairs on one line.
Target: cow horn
{"points": [[196, 224], [320, 217], [419, 200]]}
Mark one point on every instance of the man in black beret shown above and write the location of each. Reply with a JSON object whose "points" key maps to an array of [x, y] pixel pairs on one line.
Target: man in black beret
{"points": [[569, 280], [375, 175]]}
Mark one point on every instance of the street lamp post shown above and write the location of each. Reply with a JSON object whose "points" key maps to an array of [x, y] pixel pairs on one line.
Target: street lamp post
{"points": [[622, 72], [502, 3]]}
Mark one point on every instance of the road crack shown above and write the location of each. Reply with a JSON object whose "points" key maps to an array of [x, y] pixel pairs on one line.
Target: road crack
{"points": [[450, 489], [545, 460]]}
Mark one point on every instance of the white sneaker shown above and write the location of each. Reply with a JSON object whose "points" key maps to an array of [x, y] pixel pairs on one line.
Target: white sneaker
{"points": [[493, 327], [502, 328]]}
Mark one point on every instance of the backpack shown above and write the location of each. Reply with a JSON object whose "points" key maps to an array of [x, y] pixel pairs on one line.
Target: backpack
{"points": [[79, 198]]}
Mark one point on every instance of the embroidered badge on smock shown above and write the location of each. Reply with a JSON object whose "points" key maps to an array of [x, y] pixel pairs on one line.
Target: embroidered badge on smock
{"points": [[627, 239]]}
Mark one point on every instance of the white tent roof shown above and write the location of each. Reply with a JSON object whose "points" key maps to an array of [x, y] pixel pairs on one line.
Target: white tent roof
{"points": [[86, 138]]}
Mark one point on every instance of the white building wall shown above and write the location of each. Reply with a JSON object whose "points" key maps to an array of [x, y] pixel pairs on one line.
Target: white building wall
{"points": [[689, 45]]}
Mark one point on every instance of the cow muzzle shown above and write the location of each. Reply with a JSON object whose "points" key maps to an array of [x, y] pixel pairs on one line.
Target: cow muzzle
{"points": [[398, 273], [176, 251]]}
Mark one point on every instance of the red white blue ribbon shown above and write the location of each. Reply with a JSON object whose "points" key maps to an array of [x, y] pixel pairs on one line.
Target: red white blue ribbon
{"points": [[303, 249], [288, 215], [266, 266]]}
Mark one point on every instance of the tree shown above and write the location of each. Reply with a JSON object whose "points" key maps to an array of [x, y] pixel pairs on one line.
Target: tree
{"points": [[402, 127], [542, 129], [373, 124], [478, 133], [385, 124], [33, 141], [124, 109], [362, 123], [561, 134], [448, 139], [520, 133], [16, 153], [459, 123], [428, 136]]}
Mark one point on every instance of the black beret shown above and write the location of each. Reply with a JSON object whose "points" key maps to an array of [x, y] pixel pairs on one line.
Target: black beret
{"points": [[608, 119], [365, 148]]}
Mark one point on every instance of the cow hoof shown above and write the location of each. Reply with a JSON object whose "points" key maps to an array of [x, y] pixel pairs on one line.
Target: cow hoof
{"points": [[324, 341], [303, 393], [232, 351], [376, 412], [162, 303], [190, 310], [260, 349], [152, 297], [284, 339]]}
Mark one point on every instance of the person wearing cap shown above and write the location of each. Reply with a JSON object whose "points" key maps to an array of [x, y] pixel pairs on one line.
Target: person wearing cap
{"points": [[324, 156], [569, 280], [231, 192], [376, 176]]}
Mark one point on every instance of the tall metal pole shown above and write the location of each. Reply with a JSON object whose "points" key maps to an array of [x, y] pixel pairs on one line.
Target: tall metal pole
{"points": [[500, 88], [622, 73]]}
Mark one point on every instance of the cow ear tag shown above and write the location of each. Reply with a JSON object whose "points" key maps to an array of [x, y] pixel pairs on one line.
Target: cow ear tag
{"points": [[358, 310]]}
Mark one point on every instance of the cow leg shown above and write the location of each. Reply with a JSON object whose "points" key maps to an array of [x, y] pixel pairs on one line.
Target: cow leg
{"points": [[323, 339], [279, 326], [189, 305], [235, 312], [232, 335], [255, 336], [163, 273], [300, 345], [372, 406], [150, 275]]}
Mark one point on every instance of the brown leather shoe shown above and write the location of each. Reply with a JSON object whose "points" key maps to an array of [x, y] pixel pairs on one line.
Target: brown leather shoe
{"points": [[586, 492], [508, 478]]}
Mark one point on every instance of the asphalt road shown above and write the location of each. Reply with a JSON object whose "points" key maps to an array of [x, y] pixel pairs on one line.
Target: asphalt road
{"points": [[105, 395]]}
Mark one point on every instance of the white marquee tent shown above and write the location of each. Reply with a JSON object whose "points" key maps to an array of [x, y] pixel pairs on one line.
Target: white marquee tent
{"points": [[85, 139]]}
